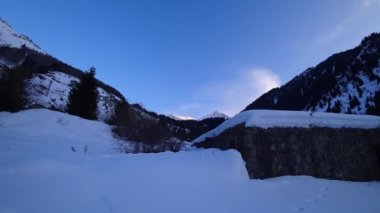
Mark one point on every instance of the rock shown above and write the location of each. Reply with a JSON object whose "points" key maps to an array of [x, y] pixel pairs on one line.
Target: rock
{"points": [[342, 154]]}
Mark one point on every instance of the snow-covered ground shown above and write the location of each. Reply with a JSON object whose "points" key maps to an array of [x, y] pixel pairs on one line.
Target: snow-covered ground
{"points": [[303, 119], [39, 172]]}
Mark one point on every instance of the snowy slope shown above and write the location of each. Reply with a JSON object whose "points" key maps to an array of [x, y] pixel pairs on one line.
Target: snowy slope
{"points": [[363, 94], [10, 38], [303, 119], [215, 114], [180, 117], [51, 90], [40, 173], [48, 89], [41, 131]]}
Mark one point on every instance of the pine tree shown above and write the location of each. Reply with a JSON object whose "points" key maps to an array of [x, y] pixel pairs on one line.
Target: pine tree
{"points": [[122, 115], [83, 98], [12, 89]]}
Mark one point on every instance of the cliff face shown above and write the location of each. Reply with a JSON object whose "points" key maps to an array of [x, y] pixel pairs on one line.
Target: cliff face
{"points": [[342, 154]]}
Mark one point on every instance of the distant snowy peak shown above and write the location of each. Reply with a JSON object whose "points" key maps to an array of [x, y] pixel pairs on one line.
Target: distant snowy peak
{"points": [[180, 117], [215, 114], [10, 38]]}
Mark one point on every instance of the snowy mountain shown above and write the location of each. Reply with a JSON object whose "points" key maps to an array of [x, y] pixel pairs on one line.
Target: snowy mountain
{"points": [[10, 38], [55, 162], [347, 82], [215, 114], [49, 80]]}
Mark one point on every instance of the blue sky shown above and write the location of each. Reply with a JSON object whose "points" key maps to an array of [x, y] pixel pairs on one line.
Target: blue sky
{"points": [[192, 57]]}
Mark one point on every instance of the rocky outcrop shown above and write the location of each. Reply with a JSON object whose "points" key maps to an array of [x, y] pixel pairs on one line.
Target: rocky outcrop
{"points": [[342, 154]]}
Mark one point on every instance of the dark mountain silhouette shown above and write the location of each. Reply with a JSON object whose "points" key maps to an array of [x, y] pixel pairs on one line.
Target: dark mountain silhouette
{"points": [[346, 82]]}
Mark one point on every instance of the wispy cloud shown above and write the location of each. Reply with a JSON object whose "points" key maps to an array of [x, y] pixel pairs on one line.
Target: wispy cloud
{"points": [[229, 96], [334, 33], [346, 23], [233, 95], [369, 3]]}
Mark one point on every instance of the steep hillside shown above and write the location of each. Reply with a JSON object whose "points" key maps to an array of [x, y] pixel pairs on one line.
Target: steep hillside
{"points": [[347, 82], [138, 119], [49, 81], [10, 38]]}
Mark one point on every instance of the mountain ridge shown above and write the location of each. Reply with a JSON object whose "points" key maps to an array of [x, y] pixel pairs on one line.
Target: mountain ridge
{"points": [[48, 83], [11, 38], [346, 82]]}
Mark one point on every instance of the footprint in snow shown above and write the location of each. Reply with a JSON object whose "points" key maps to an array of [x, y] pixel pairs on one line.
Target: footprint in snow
{"points": [[325, 189]]}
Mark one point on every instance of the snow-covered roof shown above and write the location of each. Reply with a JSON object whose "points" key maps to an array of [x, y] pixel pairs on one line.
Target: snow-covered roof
{"points": [[303, 119]]}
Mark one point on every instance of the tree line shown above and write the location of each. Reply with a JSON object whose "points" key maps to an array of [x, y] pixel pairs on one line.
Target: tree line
{"points": [[82, 101]]}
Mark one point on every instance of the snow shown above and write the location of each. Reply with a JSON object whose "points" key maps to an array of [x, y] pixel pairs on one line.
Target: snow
{"points": [[7, 63], [8, 37], [275, 100], [180, 117], [364, 93], [36, 131], [303, 119], [52, 89], [106, 104], [215, 114], [40, 173]]}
